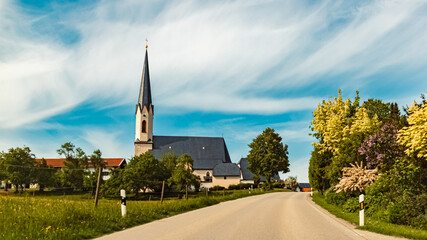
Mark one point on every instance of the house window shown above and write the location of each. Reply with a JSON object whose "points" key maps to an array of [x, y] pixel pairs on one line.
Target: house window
{"points": [[144, 126], [225, 177]]}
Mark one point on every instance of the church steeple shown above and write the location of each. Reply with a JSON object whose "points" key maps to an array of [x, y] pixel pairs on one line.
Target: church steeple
{"points": [[144, 112], [144, 99]]}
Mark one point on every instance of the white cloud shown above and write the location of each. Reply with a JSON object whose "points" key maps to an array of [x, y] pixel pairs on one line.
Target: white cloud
{"points": [[219, 56], [108, 142]]}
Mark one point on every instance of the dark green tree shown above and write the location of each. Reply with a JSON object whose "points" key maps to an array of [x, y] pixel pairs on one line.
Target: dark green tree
{"points": [[144, 172], [45, 175], [97, 162], [170, 161], [3, 173], [75, 166], [268, 156], [379, 108], [183, 175], [19, 165], [112, 186], [318, 169]]}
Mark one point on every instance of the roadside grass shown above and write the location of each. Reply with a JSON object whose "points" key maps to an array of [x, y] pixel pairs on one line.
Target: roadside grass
{"points": [[371, 224], [53, 217]]}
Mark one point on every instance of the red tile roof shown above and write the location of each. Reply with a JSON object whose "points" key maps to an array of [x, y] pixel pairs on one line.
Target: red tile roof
{"points": [[59, 162]]}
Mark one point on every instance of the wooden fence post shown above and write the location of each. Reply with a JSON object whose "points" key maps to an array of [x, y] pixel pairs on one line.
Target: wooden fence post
{"points": [[97, 185], [163, 191]]}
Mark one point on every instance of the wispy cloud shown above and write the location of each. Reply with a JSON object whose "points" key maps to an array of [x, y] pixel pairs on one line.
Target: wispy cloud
{"points": [[218, 56]]}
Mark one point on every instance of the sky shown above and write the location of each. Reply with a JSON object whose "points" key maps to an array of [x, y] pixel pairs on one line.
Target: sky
{"points": [[70, 70]]}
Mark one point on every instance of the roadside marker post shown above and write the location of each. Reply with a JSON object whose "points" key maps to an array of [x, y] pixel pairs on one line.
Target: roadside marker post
{"points": [[311, 192], [123, 195], [362, 210]]}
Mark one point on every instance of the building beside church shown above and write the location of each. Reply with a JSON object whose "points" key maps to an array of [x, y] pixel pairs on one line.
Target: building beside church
{"points": [[212, 161]]}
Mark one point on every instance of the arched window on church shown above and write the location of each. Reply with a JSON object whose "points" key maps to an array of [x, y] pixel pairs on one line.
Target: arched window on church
{"points": [[207, 174], [144, 126]]}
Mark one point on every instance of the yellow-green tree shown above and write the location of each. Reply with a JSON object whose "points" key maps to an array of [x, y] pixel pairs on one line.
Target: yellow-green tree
{"points": [[414, 137], [340, 127]]}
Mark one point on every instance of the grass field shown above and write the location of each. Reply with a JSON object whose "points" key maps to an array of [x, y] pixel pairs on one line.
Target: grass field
{"points": [[371, 224], [74, 217]]}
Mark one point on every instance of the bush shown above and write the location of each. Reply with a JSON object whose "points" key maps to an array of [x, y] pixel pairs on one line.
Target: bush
{"points": [[337, 199], [239, 186], [395, 213], [278, 184], [216, 188], [351, 205]]}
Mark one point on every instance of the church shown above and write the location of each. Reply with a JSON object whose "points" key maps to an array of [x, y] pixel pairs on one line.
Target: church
{"points": [[212, 162]]}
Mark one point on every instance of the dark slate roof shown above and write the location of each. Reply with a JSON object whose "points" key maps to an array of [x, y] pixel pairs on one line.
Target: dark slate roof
{"points": [[206, 152], [248, 175], [226, 169], [304, 185], [145, 89]]}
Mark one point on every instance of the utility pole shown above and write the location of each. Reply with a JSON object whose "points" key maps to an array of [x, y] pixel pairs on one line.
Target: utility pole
{"points": [[97, 185]]}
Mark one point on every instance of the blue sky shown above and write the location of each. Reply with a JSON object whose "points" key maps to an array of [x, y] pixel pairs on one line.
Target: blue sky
{"points": [[70, 70]]}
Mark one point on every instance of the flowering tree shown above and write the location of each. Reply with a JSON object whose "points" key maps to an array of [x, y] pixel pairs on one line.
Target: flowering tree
{"points": [[291, 183], [356, 178], [414, 137], [381, 149]]}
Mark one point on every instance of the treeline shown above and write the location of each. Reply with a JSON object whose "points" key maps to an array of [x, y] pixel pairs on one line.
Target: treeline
{"points": [[145, 172], [382, 153], [19, 167]]}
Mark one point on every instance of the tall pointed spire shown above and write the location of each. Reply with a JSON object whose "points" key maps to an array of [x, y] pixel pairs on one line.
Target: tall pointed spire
{"points": [[145, 90]]}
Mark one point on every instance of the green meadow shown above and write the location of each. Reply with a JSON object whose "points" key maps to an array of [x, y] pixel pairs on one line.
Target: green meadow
{"points": [[75, 217]]}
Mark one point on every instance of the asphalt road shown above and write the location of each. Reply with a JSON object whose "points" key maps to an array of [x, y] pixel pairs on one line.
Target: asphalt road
{"points": [[267, 216]]}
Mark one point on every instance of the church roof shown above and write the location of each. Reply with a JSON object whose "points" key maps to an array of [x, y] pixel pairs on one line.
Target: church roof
{"points": [[206, 152], [226, 169], [246, 174], [145, 89]]}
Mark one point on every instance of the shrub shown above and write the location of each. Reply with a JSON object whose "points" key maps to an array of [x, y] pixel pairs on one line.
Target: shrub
{"points": [[351, 205], [335, 198], [239, 186], [234, 187], [278, 184], [216, 188]]}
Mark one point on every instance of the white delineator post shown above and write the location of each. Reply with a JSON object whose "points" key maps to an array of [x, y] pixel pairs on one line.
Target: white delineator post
{"points": [[362, 210], [311, 192], [123, 195]]}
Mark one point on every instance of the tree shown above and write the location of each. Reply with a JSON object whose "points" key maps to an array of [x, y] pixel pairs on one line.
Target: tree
{"points": [[97, 162], [170, 161], [3, 173], [317, 170], [379, 108], [19, 166], [45, 175], [183, 175], [75, 165], [381, 149], [144, 172], [340, 128], [291, 183], [112, 186], [414, 137], [268, 155]]}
